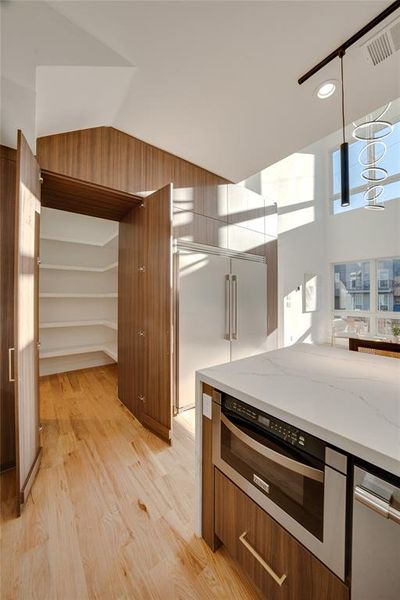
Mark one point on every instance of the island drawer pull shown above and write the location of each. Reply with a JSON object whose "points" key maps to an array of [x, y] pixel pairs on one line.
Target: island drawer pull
{"points": [[270, 571]]}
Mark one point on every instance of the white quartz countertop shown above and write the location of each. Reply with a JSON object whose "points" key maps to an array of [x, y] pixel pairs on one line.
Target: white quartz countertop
{"points": [[349, 399]]}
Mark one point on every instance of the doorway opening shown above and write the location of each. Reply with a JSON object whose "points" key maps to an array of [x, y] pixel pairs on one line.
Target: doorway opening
{"points": [[78, 291]]}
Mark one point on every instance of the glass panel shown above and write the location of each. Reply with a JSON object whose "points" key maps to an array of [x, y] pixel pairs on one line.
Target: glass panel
{"points": [[352, 286], [299, 496], [347, 326], [388, 284], [391, 192], [384, 326]]}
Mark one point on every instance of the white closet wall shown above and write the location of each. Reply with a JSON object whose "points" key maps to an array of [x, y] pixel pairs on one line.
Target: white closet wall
{"points": [[78, 291]]}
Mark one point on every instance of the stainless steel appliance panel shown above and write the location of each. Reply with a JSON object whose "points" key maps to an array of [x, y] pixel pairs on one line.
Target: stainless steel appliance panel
{"points": [[249, 308], [376, 538], [202, 316]]}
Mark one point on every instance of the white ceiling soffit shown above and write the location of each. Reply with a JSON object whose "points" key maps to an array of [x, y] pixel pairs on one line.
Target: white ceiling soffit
{"points": [[216, 82], [71, 98], [34, 34]]}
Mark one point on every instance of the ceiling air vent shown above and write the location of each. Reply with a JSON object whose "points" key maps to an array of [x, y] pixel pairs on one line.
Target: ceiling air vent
{"points": [[383, 44]]}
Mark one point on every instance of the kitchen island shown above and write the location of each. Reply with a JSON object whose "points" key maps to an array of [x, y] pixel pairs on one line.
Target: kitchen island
{"points": [[345, 401]]}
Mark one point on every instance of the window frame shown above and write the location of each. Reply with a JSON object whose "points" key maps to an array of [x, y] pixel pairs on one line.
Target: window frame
{"points": [[373, 314]]}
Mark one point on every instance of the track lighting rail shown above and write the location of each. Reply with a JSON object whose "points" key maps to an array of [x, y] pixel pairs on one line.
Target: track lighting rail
{"points": [[352, 40]]}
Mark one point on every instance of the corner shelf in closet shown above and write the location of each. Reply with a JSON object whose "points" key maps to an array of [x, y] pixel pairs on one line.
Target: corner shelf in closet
{"points": [[74, 240], [80, 268], [110, 349], [78, 295], [56, 324]]}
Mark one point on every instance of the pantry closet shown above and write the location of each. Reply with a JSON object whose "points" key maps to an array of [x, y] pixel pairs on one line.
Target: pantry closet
{"points": [[103, 296], [78, 291]]}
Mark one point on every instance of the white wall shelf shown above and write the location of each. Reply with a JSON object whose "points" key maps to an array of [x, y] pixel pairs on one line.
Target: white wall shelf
{"points": [[110, 349], [73, 240], [56, 324], [80, 268], [78, 295]]}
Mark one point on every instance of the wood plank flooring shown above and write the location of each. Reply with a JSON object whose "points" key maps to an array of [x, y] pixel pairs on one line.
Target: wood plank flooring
{"points": [[110, 515]]}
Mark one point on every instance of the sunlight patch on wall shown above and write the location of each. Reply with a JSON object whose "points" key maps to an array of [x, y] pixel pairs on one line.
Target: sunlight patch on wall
{"points": [[291, 180], [295, 218], [297, 324]]}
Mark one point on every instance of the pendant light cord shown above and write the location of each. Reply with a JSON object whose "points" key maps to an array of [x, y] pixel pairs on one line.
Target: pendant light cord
{"points": [[341, 54]]}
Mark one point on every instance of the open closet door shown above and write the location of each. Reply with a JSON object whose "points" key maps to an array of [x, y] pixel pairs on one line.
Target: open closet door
{"points": [[145, 312], [26, 286]]}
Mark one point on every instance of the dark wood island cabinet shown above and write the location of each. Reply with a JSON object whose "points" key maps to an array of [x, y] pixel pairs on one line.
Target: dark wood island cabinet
{"points": [[279, 566]]}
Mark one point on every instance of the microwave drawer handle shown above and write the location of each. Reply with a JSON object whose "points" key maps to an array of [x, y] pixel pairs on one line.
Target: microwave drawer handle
{"points": [[280, 459], [275, 577]]}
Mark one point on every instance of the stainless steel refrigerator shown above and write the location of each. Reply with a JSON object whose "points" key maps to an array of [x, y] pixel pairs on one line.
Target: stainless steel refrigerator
{"points": [[221, 313]]}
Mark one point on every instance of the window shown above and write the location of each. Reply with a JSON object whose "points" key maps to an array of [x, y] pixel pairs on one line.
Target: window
{"points": [[352, 286], [366, 296], [388, 282], [384, 154], [384, 326]]}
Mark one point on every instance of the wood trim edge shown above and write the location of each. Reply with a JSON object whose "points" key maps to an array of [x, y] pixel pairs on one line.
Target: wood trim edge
{"points": [[160, 430], [8, 153], [26, 488]]}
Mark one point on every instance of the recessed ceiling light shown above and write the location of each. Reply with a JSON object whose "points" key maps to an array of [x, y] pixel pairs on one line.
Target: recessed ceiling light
{"points": [[326, 89]]}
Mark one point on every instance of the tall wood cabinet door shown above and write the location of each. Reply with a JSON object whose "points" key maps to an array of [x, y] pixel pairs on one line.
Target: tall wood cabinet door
{"points": [[130, 310], [156, 411], [145, 312], [7, 243], [27, 219]]}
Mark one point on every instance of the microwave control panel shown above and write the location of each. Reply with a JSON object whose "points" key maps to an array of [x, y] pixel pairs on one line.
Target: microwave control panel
{"points": [[278, 428]]}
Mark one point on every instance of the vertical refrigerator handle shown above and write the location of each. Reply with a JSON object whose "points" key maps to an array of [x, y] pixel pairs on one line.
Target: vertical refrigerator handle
{"points": [[228, 306], [235, 307]]}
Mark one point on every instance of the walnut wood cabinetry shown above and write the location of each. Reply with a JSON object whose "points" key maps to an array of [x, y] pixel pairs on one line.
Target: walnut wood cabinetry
{"points": [[7, 236], [207, 208], [145, 312], [279, 566]]}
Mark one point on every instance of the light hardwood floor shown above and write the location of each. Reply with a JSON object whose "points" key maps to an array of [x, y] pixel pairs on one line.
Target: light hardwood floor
{"points": [[110, 515]]}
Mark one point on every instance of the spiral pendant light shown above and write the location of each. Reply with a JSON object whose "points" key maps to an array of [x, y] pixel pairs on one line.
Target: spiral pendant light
{"points": [[373, 132]]}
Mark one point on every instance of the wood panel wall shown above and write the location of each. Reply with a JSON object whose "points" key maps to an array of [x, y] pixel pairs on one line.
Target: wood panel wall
{"points": [[207, 208], [130, 308], [7, 237]]}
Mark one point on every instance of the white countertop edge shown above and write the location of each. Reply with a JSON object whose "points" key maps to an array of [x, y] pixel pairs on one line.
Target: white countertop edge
{"points": [[356, 449]]}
